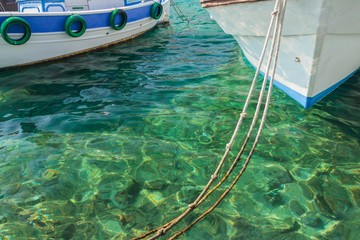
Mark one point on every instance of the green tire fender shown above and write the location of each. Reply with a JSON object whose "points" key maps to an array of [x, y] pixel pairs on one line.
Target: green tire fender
{"points": [[15, 21], [156, 11], [118, 13], [72, 19]]}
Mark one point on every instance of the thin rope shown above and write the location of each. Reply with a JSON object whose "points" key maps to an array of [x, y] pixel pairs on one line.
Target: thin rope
{"points": [[276, 39], [178, 11], [163, 229]]}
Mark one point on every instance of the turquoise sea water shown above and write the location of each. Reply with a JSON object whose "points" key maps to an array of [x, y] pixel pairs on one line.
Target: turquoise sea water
{"points": [[119, 141]]}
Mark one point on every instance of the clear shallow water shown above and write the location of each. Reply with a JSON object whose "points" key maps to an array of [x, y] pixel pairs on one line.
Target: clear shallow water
{"points": [[121, 140]]}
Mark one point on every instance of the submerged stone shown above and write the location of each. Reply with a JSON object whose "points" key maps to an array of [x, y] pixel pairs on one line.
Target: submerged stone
{"points": [[296, 208], [278, 173], [34, 200], [3, 219], [69, 232], [338, 199], [324, 169], [316, 184], [306, 191], [50, 177], [323, 206], [274, 197], [155, 184], [356, 195], [156, 197], [314, 222], [12, 189]]}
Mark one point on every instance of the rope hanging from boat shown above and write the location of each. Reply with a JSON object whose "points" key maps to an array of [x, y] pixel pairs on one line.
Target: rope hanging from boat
{"points": [[178, 11], [277, 16]]}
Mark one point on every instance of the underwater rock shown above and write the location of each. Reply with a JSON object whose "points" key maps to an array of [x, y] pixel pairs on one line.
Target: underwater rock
{"points": [[63, 190], [188, 194], [274, 197], [242, 229], [295, 227], [356, 195], [83, 196], [283, 225], [300, 174], [337, 198], [277, 176], [306, 191], [68, 208], [324, 169], [34, 200], [156, 197], [69, 232], [314, 222], [3, 164], [50, 177], [155, 184], [3, 219], [296, 208], [323, 206], [348, 228], [42, 222], [113, 226], [120, 192], [11, 189], [316, 184], [25, 192]]}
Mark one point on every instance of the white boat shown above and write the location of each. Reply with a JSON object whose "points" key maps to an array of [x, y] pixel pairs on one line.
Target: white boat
{"points": [[33, 31], [320, 45]]}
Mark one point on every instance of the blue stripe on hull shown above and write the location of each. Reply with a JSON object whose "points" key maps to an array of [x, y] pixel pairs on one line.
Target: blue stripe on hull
{"points": [[44, 24], [306, 102], [312, 100]]}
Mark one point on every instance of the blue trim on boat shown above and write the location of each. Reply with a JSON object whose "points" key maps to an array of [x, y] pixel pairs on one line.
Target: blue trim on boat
{"points": [[96, 20], [53, 5], [312, 100], [292, 93], [306, 102], [129, 3]]}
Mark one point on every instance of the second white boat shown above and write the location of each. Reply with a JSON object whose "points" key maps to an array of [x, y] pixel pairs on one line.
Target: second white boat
{"points": [[320, 47]]}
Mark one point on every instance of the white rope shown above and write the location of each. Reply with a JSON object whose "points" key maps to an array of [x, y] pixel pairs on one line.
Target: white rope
{"points": [[279, 9], [214, 176], [275, 42]]}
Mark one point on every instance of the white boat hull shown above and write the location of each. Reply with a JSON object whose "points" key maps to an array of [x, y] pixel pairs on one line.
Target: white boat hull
{"points": [[44, 46], [320, 47]]}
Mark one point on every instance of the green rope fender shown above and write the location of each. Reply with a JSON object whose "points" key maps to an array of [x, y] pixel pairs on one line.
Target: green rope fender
{"points": [[15, 21]]}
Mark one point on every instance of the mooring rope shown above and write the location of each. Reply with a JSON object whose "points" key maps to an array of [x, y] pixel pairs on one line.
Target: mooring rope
{"points": [[276, 39], [178, 11], [278, 13]]}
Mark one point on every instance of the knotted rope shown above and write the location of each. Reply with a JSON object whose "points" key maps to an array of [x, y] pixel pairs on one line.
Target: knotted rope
{"points": [[278, 14]]}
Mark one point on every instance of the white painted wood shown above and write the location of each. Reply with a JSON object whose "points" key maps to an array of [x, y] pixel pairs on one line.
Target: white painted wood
{"points": [[320, 44]]}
